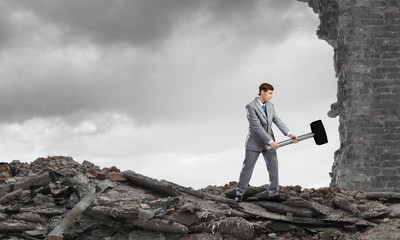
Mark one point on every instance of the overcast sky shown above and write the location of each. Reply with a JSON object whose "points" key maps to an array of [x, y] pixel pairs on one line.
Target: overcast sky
{"points": [[160, 86]]}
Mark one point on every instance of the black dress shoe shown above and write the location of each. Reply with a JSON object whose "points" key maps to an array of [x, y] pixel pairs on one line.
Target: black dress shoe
{"points": [[238, 199], [276, 198]]}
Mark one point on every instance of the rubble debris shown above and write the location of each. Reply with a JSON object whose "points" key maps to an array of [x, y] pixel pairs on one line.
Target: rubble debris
{"points": [[79, 208], [58, 198]]}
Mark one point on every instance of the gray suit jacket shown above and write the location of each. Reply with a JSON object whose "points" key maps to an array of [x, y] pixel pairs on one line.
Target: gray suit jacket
{"points": [[260, 132]]}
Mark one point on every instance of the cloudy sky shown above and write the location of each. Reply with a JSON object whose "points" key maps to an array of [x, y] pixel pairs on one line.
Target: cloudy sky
{"points": [[160, 86]]}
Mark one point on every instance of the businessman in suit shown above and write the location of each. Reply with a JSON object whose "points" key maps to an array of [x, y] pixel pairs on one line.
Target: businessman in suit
{"points": [[261, 114]]}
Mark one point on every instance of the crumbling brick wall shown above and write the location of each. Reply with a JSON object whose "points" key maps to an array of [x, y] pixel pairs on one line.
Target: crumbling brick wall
{"points": [[365, 36]]}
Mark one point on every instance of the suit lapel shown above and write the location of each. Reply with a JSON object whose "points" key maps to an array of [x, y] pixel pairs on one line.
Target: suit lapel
{"points": [[259, 107]]}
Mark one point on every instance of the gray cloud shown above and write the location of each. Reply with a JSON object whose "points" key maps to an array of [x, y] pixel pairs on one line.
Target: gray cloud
{"points": [[5, 28], [149, 23]]}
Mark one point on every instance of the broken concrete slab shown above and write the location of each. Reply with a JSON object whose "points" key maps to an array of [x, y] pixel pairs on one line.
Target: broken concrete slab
{"points": [[16, 226], [285, 209], [162, 187], [29, 217], [161, 225], [342, 203], [104, 212], [33, 181], [383, 196], [11, 196]]}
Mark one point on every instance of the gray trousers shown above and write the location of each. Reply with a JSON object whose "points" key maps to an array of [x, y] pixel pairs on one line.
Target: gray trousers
{"points": [[247, 170]]}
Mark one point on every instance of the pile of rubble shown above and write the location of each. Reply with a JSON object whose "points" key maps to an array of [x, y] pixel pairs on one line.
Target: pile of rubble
{"points": [[58, 198]]}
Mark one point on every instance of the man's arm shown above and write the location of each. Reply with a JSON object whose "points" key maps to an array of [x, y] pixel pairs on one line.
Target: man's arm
{"points": [[284, 129], [279, 123]]}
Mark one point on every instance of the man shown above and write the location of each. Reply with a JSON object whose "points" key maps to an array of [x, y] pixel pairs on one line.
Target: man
{"points": [[261, 114]]}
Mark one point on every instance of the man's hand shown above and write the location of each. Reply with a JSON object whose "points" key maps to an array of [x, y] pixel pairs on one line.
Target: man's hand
{"points": [[294, 137], [274, 145]]}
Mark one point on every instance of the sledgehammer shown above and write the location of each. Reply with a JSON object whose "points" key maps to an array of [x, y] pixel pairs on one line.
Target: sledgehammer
{"points": [[317, 132]]}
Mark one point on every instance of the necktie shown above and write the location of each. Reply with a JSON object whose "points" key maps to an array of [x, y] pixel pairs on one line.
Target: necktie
{"points": [[265, 110]]}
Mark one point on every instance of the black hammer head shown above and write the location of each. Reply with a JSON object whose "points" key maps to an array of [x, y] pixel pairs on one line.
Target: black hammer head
{"points": [[319, 132]]}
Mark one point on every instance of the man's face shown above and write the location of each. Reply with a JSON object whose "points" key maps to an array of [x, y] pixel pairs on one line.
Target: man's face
{"points": [[266, 96]]}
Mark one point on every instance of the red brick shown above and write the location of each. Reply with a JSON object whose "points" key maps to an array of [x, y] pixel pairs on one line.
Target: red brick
{"points": [[114, 169], [116, 177], [42, 160], [88, 164], [100, 175], [55, 237], [324, 190], [296, 188], [106, 170]]}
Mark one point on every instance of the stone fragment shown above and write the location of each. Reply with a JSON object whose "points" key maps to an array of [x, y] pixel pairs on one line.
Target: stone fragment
{"points": [[3, 216], [305, 195], [29, 217], [37, 233], [363, 207], [60, 193], [350, 228], [5, 188], [187, 218], [25, 194], [234, 227], [359, 196], [89, 175], [144, 206], [281, 227], [272, 235], [11, 196], [5, 171]]}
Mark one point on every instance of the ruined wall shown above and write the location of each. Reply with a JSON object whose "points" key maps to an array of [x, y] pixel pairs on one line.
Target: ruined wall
{"points": [[365, 36]]}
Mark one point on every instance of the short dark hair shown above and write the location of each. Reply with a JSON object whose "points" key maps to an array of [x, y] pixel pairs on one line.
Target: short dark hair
{"points": [[265, 87]]}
